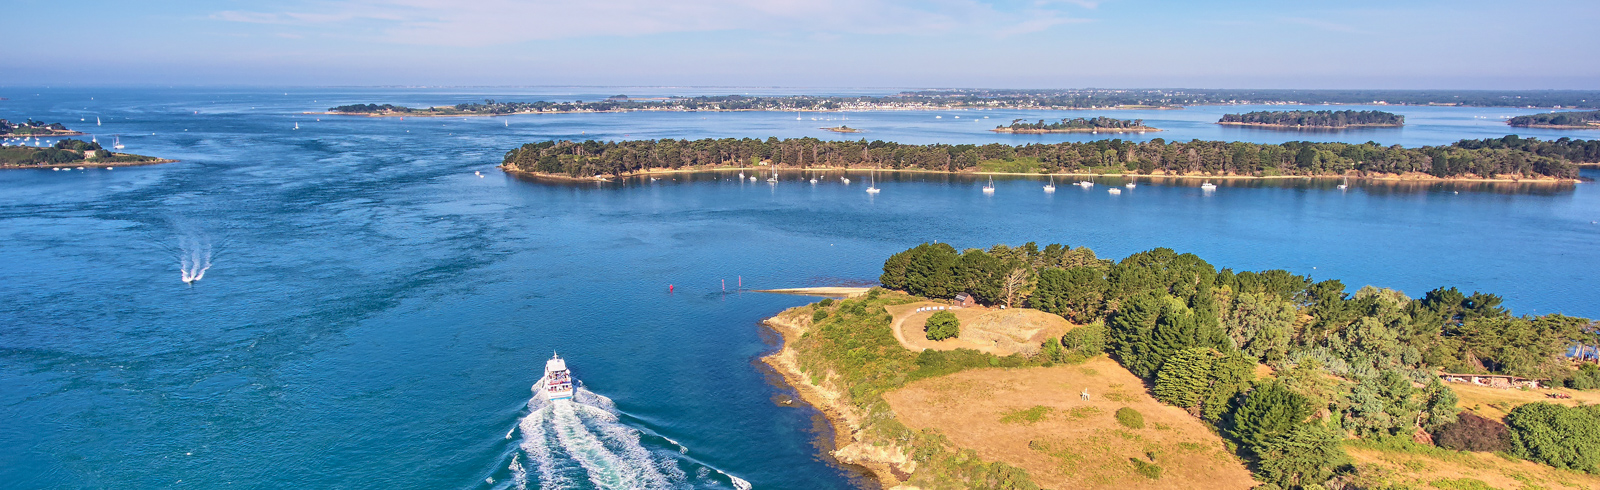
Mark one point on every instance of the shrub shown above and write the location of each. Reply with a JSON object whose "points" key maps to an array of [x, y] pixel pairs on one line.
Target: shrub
{"points": [[1149, 470], [1130, 418], [1088, 340], [1563, 437], [819, 315], [1587, 378], [826, 302], [942, 325], [1471, 432]]}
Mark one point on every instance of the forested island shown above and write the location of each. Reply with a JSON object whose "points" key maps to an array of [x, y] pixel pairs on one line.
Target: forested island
{"points": [[1558, 120], [1077, 125], [32, 128], [1310, 385], [1055, 99], [69, 152], [1509, 157], [1315, 119], [842, 129]]}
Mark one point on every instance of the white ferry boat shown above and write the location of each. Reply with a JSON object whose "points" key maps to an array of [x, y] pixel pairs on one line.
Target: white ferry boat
{"points": [[557, 382]]}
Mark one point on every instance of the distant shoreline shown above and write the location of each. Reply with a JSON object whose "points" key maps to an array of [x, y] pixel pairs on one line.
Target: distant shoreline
{"points": [[1322, 128], [1408, 177], [1555, 126], [87, 164], [1140, 129], [51, 135]]}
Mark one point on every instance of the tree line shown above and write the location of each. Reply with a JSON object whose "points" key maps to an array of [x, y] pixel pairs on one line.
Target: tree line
{"points": [[1183, 97], [1359, 364], [1580, 119], [1316, 119], [1508, 156], [1076, 123]]}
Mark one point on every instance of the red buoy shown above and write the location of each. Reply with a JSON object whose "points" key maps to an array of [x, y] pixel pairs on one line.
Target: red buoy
{"points": [[669, 288]]}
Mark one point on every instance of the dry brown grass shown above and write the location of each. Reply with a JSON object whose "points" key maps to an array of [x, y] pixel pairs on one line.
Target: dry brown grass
{"points": [[1496, 403], [1413, 470], [1074, 443], [993, 330]]}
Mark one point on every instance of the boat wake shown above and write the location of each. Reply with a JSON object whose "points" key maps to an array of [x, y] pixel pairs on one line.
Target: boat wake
{"points": [[583, 443], [194, 255]]}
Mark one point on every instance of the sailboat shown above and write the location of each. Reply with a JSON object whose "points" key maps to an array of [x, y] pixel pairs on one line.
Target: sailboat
{"points": [[872, 179], [1344, 185], [116, 142], [297, 125], [797, 115], [845, 180], [1131, 185], [774, 177], [1051, 187], [1085, 184], [97, 120], [989, 189]]}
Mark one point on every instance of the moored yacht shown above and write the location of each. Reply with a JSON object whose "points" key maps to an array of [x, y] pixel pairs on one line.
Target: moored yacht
{"points": [[557, 381]]}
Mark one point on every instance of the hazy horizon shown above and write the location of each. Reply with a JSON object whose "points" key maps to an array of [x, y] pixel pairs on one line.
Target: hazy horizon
{"points": [[1419, 44]]}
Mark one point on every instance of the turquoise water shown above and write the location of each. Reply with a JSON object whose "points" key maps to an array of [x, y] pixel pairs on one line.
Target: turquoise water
{"points": [[375, 313]]}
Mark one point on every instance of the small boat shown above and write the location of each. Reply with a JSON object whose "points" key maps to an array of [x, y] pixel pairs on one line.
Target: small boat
{"points": [[773, 178], [557, 381], [741, 175], [752, 178], [1344, 185], [1114, 191], [116, 142], [845, 180], [97, 120], [989, 189], [1085, 184], [872, 183], [297, 125], [1051, 187], [813, 181], [797, 116], [653, 179], [1208, 186], [1131, 185]]}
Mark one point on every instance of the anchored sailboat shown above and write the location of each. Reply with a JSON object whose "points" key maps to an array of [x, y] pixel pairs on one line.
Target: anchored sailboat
{"points": [[989, 188], [1051, 187], [872, 182]]}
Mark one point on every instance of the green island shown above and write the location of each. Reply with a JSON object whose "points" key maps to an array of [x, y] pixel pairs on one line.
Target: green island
{"points": [[1507, 158], [1315, 119], [1077, 125], [1054, 99], [1558, 120], [70, 152], [1066, 370], [842, 129], [32, 128]]}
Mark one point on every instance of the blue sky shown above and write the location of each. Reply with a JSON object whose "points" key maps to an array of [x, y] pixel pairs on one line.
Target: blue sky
{"points": [[1526, 44]]}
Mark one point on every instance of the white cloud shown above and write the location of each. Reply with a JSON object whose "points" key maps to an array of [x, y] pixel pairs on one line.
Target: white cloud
{"points": [[494, 22]]}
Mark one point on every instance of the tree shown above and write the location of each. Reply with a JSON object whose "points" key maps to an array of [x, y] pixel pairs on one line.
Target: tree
{"points": [[1075, 293], [1271, 410], [1013, 285], [1470, 432], [1302, 457], [942, 325], [1185, 379], [1088, 340], [1261, 326]]}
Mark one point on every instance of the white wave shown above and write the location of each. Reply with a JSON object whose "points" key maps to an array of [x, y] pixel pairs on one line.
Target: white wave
{"points": [[194, 255]]}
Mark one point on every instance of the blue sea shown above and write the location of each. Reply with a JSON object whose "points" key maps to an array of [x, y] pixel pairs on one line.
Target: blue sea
{"points": [[377, 298]]}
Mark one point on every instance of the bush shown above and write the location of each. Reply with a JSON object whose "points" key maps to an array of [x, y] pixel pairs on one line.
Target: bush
{"points": [[1563, 437], [1149, 470], [819, 315], [1587, 378], [1473, 433], [942, 325], [826, 302], [1130, 418], [1089, 340]]}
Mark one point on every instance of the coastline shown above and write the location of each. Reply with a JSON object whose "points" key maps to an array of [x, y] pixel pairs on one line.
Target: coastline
{"points": [[87, 164], [1554, 126], [1309, 128], [51, 135], [1077, 130], [847, 446], [1409, 177]]}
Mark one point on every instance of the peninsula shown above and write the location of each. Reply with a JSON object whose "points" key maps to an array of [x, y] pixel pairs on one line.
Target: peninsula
{"points": [[1558, 120], [70, 153], [32, 128], [1509, 158], [1315, 119], [1051, 367], [1077, 125]]}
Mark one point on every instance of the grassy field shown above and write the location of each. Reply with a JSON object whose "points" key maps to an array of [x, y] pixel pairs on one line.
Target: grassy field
{"points": [[1023, 165], [1035, 418], [1405, 465]]}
